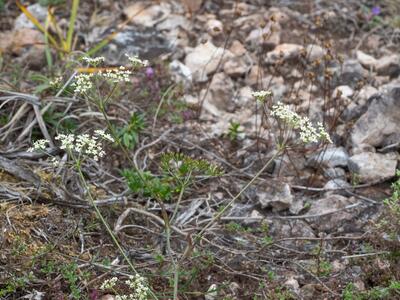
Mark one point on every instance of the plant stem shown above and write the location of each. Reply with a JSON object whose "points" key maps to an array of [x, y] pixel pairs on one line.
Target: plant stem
{"points": [[100, 216], [71, 27], [219, 215]]}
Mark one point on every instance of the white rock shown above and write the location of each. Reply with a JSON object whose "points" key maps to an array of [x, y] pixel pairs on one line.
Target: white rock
{"points": [[366, 60], [212, 292], [191, 100], [365, 93], [173, 21], [37, 10], [314, 52], [382, 119], [236, 67], [330, 157], [244, 97], [219, 99], [181, 72], [278, 196], [204, 59], [277, 15], [143, 15], [285, 52], [388, 65], [215, 27], [343, 90], [292, 283], [237, 48], [269, 36], [368, 166], [327, 207]]}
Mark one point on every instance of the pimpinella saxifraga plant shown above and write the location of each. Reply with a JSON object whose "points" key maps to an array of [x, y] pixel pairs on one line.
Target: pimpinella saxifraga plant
{"points": [[178, 172]]}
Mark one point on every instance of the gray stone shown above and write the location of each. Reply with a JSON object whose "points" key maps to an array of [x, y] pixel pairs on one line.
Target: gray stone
{"points": [[141, 14], [366, 60], [147, 43], [365, 93], [330, 218], [333, 173], [37, 10], [278, 197], [314, 52], [180, 71], [336, 184], [204, 60], [330, 157], [236, 66], [381, 120], [284, 52], [389, 65], [351, 73], [370, 166], [343, 91]]}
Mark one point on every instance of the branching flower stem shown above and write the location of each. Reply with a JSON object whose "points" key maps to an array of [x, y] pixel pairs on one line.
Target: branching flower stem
{"points": [[104, 222], [220, 213]]}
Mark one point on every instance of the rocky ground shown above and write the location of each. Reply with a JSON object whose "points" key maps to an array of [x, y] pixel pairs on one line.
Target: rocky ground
{"points": [[310, 227]]}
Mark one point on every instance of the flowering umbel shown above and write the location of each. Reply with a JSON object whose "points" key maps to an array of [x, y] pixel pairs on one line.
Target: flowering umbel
{"points": [[82, 145], [261, 95], [308, 132]]}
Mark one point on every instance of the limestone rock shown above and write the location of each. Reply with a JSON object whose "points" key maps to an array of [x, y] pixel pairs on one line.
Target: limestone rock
{"points": [[204, 59], [327, 207], [381, 120], [278, 197], [366, 60], [330, 157], [370, 166], [314, 52], [389, 65], [285, 52], [147, 16]]}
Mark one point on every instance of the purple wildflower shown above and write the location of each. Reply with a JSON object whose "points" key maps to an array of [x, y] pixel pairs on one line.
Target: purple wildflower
{"points": [[149, 72], [376, 10]]}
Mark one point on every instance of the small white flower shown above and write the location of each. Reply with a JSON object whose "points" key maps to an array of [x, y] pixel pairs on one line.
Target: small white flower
{"points": [[117, 75], [67, 141], [109, 283], [136, 61], [308, 132], [83, 83], [39, 145], [261, 95], [55, 162], [93, 61], [138, 284], [56, 81], [103, 135]]}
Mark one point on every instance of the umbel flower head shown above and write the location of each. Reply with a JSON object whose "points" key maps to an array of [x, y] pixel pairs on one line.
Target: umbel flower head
{"points": [[81, 145], [261, 95], [308, 132]]}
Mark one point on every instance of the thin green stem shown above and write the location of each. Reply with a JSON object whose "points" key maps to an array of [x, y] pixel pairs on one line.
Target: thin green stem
{"points": [[219, 214], [71, 27], [105, 224]]}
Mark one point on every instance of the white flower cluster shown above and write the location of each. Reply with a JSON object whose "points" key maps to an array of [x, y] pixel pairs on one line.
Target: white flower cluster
{"points": [[103, 135], [93, 61], [138, 284], [83, 83], [117, 75], [261, 95], [56, 81], [109, 283], [85, 144], [136, 61], [308, 132], [39, 145]]}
